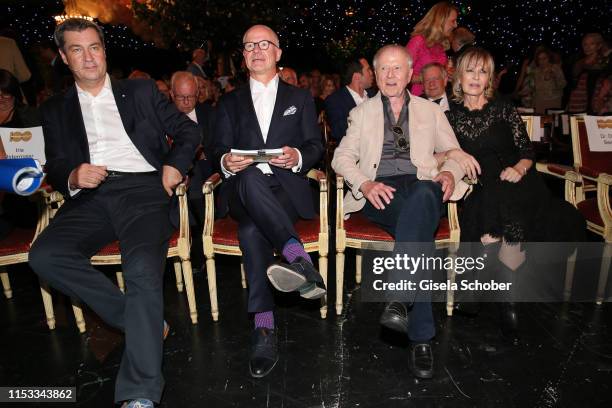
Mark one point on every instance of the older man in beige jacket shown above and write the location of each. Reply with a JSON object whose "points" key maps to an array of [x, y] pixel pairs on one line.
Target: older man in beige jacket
{"points": [[387, 159]]}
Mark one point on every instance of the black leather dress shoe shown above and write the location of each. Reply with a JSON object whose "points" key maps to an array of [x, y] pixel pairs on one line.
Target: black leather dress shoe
{"points": [[421, 360], [395, 317], [509, 321], [264, 352], [300, 275]]}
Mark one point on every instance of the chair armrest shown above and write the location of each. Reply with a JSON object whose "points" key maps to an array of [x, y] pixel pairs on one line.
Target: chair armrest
{"points": [[180, 190], [211, 183], [339, 203], [556, 170], [209, 204], [320, 177], [605, 179], [453, 221], [603, 203], [181, 193]]}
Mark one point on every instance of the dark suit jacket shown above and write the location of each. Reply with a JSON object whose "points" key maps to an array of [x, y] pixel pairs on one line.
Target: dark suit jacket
{"points": [[147, 117], [202, 169], [337, 108], [237, 128]]}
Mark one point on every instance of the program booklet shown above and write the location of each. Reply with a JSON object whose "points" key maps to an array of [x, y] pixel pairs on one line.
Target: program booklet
{"points": [[259, 156]]}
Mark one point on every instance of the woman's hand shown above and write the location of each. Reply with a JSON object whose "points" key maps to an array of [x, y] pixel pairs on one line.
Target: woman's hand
{"points": [[511, 175], [467, 162]]}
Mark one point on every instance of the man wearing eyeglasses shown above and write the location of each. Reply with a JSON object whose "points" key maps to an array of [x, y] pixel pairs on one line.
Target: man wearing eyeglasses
{"points": [[267, 198], [387, 159], [185, 94]]}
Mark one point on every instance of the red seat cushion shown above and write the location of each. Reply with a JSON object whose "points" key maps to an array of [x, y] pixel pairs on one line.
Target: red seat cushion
{"points": [[113, 247], [588, 209], [226, 231], [359, 227], [17, 242], [558, 169]]}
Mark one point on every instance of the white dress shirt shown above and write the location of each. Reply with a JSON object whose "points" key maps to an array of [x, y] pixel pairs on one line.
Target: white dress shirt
{"points": [[264, 99], [443, 103], [192, 115], [109, 143], [356, 97]]}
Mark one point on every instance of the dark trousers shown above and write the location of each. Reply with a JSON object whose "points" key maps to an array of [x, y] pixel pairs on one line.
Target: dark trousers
{"points": [[412, 217], [134, 210], [265, 218]]}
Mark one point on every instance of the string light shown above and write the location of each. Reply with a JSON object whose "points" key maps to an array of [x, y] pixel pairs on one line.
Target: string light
{"points": [[509, 29]]}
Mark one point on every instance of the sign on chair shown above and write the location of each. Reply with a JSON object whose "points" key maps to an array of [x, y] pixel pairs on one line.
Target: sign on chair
{"points": [[599, 133], [22, 143]]}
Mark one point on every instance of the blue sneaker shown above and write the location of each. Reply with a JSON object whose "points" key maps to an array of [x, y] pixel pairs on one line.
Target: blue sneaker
{"points": [[138, 403]]}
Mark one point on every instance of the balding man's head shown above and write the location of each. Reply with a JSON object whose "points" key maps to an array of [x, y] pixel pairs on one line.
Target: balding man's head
{"points": [[261, 51], [288, 75], [184, 91], [393, 66], [261, 27], [198, 56]]}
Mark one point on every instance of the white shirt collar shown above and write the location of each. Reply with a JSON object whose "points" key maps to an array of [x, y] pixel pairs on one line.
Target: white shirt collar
{"points": [[356, 97], [257, 86], [106, 87]]}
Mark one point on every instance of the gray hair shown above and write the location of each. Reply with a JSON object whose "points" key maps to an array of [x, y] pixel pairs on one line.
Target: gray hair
{"points": [[75, 24], [396, 47], [441, 67], [182, 76]]}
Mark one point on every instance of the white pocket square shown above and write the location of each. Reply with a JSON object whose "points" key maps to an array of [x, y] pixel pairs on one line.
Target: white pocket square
{"points": [[290, 111]]}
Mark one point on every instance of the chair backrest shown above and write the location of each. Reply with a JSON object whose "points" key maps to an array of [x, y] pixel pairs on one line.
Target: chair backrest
{"points": [[528, 121], [587, 162]]}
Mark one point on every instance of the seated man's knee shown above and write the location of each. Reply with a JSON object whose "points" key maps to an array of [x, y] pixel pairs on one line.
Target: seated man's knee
{"points": [[40, 256], [248, 233], [249, 175], [428, 192]]}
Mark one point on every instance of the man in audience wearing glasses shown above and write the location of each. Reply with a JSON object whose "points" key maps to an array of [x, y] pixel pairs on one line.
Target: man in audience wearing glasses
{"points": [[267, 198], [387, 160]]}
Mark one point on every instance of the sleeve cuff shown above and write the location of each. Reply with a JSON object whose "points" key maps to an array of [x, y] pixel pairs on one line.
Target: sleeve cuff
{"points": [[298, 167], [71, 191], [226, 173]]}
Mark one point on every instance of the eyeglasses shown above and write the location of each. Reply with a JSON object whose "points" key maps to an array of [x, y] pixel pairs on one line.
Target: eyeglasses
{"points": [[263, 45], [182, 98], [401, 141]]}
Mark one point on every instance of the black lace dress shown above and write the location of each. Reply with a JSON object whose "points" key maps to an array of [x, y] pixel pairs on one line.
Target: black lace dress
{"points": [[519, 212]]}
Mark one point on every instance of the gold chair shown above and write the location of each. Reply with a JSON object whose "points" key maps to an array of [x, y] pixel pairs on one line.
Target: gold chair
{"points": [[221, 237], [178, 249], [14, 249], [358, 232], [587, 187]]}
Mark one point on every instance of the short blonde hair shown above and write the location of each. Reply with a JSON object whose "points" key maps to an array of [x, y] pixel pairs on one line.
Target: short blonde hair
{"points": [[432, 24], [468, 59]]}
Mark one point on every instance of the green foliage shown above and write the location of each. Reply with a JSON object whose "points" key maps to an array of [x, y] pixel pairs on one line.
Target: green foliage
{"points": [[189, 23]]}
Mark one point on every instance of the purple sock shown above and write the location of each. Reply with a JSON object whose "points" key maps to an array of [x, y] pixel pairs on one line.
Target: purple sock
{"points": [[293, 249], [264, 319]]}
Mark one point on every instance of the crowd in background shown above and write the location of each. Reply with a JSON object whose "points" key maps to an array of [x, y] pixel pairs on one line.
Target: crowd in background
{"points": [[546, 79]]}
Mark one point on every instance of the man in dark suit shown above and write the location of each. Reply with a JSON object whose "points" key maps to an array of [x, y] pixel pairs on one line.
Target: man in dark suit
{"points": [[196, 66], [185, 95], [107, 153], [267, 198], [358, 77]]}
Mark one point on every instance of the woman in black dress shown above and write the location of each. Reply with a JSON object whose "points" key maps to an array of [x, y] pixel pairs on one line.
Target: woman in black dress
{"points": [[510, 202], [15, 211]]}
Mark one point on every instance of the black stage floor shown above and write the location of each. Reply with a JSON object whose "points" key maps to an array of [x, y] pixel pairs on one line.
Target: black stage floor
{"points": [[564, 360]]}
